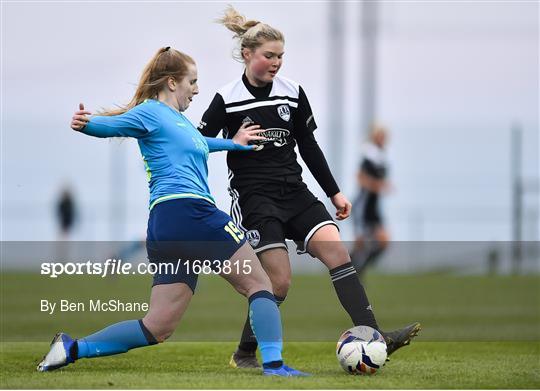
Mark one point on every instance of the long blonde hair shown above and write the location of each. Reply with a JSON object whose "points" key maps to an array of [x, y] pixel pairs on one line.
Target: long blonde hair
{"points": [[166, 63], [250, 33]]}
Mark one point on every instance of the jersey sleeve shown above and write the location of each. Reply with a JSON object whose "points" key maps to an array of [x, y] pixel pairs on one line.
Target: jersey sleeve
{"points": [[304, 122], [136, 123], [213, 119], [216, 145], [315, 161]]}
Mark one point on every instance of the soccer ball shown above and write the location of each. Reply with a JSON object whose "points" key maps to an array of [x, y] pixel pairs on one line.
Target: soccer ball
{"points": [[361, 350]]}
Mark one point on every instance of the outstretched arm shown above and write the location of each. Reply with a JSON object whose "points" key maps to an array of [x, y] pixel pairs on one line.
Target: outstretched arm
{"points": [[123, 125], [240, 141], [220, 144]]}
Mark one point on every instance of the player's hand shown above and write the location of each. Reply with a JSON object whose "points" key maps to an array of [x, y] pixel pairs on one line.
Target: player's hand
{"points": [[343, 206], [80, 119], [248, 132]]}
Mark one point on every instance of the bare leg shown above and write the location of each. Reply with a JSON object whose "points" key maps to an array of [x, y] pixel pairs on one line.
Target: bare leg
{"points": [[278, 267], [168, 302]]}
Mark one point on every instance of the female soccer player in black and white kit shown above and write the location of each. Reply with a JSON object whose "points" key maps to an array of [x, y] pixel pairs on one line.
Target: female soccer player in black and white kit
{"points": [[270, 202]]}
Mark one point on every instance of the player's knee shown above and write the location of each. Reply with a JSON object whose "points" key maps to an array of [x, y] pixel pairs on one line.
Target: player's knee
{"points": [[281, 285], [335, 255], [341, 254]]}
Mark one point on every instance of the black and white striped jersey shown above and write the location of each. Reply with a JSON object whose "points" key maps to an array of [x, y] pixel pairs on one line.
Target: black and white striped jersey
{"points": [[282, 109], [374, 162], [366, 210]]}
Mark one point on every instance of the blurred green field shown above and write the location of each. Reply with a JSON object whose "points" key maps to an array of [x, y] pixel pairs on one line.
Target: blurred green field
{"points": [[478, 332]]}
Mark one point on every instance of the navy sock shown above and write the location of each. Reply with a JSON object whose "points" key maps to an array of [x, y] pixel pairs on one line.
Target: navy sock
{"points": [[273, 364]]}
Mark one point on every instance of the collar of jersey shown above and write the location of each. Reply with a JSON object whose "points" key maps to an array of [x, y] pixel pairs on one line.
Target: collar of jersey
{"points": [[167, 106], [257, 92]]}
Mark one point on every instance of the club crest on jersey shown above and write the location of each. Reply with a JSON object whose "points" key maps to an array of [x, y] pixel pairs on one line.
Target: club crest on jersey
{"points": [[253, 237], [284, 112]]}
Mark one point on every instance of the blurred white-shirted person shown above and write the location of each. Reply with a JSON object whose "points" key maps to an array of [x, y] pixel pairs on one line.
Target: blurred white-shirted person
{"points": [[371, 236]]}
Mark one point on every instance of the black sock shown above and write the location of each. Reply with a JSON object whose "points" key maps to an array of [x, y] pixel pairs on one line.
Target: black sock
{"points": [[248, 342], [149, 337], [352, 295]]}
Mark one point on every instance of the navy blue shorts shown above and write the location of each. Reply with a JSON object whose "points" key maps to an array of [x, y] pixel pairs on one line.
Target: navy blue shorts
{"points": [[185, 232]]}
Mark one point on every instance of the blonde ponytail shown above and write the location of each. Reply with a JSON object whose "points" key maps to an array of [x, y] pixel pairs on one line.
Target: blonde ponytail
{"points": [[250, 33]]}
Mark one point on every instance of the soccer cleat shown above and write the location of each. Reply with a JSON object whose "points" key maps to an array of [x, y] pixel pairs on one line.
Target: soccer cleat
{"points": [[295, 372], [242, 359], [281, 371], [284, 371], [63, 352], [401, 337]]}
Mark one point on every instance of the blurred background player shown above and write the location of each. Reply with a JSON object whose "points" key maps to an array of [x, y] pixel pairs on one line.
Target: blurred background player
{"points": [[371, 236], [66, 215], [66, 212]]}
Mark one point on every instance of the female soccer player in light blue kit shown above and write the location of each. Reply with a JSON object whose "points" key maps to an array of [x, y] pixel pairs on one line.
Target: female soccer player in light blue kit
{"points": [[183, 221]]}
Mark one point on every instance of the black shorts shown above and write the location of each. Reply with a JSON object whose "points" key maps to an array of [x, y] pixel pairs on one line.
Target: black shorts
{"points": [[273, 213], [366, 213]]}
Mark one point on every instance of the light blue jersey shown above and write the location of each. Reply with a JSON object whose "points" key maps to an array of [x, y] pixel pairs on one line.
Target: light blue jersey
{"points": [[175, 154]]}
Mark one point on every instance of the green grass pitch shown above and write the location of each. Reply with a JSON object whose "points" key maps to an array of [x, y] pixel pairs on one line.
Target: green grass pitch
{"points": [[478, 332]]}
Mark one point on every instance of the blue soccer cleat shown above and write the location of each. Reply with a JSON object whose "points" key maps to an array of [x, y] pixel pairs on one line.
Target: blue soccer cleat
{"points": [[281, 371], [295, 372], [63, 352], [284, 371]]}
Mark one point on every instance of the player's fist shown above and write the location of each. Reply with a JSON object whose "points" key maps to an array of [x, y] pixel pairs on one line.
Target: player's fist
{"points": [[343, 206], [80, 118]]}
